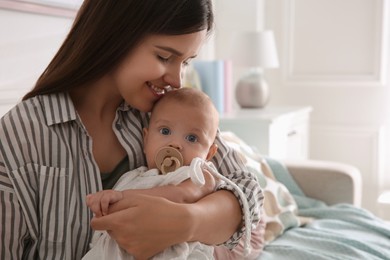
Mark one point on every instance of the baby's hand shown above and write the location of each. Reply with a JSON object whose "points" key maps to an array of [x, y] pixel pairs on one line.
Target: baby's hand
{"points": [[100, 201]]}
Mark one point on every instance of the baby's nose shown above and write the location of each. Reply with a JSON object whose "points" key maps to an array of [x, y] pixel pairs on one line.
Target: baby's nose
{"points": [[176, 146]]}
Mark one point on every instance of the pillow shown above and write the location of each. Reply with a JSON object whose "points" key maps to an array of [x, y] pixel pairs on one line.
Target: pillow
{"points": [[280, 208]]}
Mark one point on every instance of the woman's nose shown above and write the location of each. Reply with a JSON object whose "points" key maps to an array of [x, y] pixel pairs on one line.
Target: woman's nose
{"points": [[174, 76]]}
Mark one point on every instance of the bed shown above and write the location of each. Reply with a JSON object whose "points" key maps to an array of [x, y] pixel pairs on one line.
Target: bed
{"points": [[312, 209]]}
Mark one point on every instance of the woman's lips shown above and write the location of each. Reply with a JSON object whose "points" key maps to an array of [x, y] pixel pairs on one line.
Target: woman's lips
{"points": [[157, 90]]}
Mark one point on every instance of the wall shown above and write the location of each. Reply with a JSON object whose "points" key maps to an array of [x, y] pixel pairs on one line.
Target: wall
{"points": [[334, 56], [27, 43]]}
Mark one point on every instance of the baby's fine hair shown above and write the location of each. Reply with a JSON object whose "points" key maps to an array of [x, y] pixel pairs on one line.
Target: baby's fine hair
{"points": [[188, 96]]}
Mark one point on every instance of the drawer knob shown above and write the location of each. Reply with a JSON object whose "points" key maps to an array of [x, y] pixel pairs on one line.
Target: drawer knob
{"points": [[291, 133]]}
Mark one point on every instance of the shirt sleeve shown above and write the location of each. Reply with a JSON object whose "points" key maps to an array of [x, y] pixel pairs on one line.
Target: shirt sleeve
{"points": [[13, 228], [229, 164]]}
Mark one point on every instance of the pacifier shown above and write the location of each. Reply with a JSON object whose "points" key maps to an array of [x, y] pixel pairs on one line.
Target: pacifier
{"points": [[168, 159]]}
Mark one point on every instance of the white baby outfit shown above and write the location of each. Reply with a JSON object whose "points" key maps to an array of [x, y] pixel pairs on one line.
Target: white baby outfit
{"points": [[103, 247]]}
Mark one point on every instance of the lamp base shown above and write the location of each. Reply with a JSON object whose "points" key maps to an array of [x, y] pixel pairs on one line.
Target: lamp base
{"points": [[252, 91]]}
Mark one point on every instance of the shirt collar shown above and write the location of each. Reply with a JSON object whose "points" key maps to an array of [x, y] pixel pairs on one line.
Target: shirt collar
{"points": [[58, 108]]}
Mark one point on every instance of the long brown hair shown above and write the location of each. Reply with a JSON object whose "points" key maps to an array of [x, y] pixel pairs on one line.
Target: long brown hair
{"points": [[105, 31]]}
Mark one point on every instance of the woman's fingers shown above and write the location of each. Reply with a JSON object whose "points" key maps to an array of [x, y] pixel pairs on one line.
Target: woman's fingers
{"points": [[107, 222], [145, 225]]}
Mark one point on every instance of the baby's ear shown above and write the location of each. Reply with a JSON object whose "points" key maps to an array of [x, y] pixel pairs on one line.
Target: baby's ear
{"points": [[212, 151], [145, 133]]}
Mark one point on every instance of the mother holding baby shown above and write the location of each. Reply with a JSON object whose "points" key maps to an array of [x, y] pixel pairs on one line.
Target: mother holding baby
{"points": [[80, 128]]}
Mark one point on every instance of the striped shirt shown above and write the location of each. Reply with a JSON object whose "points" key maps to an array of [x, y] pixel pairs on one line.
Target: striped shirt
{"points": [[47, 169]]}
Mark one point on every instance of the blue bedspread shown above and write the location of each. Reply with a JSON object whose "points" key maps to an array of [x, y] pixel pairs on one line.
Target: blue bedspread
{"points": [[340, 231]]}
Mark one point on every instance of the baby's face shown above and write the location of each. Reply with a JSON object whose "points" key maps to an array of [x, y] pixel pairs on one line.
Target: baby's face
{"points": [[188, 129]]}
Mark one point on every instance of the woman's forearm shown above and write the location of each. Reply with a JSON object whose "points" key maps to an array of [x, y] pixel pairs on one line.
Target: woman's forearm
{"points": [[169, 192], [185, 192], [132, 221], [215, 217]]}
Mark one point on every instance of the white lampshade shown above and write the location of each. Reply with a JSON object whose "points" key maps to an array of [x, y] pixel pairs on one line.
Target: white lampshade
{"points": [[255, 49]]}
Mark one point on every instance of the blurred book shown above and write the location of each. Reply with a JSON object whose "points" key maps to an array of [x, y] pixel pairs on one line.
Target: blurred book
{"points": [[216, 81], [228, 86]]}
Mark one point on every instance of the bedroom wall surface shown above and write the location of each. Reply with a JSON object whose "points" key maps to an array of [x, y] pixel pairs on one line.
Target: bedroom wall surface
{"points": [[334, 57], [27, 43]]}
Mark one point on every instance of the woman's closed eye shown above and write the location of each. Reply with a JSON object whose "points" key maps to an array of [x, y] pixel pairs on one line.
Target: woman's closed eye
{"points": [[163, 59], [187, 62], [167, 59]]}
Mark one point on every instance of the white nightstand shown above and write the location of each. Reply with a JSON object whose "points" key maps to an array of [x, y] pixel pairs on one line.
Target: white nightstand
{"points": [[279, 132]]}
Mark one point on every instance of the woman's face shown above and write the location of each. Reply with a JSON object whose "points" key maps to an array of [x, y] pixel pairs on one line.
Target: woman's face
{"points": [[155, 65]]}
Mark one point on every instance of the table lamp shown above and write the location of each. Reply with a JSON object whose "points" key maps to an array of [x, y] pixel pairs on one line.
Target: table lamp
{"points": [[257, 51]]}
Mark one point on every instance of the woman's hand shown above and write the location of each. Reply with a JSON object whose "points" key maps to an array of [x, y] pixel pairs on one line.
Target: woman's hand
{"points": [[146, 225]]}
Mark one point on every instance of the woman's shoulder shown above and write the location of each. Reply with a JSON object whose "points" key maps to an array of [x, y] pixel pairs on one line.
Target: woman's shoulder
{"points": [[44, 109], [15, 110], [16, 129], [23, 111]]}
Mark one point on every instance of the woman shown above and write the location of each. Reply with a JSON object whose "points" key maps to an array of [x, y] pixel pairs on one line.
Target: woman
{"points": [[80, 128]]}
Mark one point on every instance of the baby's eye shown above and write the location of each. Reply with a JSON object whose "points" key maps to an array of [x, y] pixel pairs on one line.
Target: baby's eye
{"points": [[165, 131], [192, 138]]}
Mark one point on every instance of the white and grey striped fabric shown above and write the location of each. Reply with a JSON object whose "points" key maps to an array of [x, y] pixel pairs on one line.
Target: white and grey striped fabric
{"points": [[47, 169]]}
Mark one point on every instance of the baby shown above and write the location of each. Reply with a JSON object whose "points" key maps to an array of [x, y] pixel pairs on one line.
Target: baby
{"points": [[178, 145]]}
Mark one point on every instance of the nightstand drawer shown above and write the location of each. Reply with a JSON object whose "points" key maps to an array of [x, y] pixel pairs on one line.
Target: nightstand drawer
{"points": [[297, 136], [297, 141], [278, 132]]}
